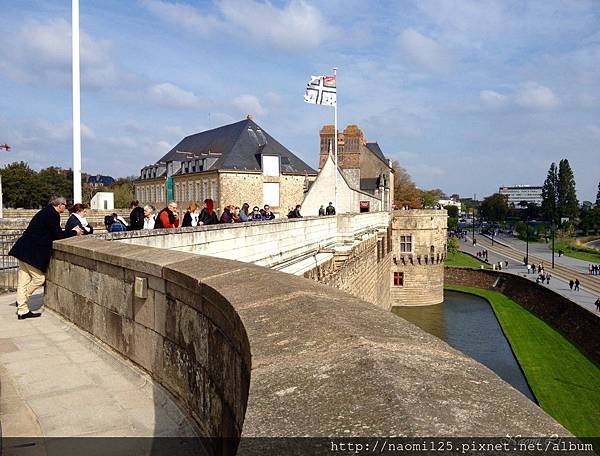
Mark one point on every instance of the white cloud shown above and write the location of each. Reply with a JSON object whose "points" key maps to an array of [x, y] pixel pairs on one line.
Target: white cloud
{"points": [[182, 15], [293, 27], [424, 51], [40, 53], [532, 95], [248, 104], [170, 95], [493, 100]]}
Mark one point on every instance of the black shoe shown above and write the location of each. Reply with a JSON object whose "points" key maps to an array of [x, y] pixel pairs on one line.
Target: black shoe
{"points": [[29, 314]]}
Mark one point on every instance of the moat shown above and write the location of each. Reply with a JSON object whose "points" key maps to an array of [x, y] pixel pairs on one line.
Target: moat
{"points": [[468, 323]]}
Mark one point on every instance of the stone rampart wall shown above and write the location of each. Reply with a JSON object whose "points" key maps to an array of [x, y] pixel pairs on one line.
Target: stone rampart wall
{"points": [[188, 337], [577, 324], [363, 273], [319, 361], [269, 244]]}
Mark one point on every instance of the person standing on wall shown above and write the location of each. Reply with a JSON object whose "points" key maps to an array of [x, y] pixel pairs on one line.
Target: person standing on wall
{"points": [[167, 218], [330, 210], [34, 249], [136, 218]]}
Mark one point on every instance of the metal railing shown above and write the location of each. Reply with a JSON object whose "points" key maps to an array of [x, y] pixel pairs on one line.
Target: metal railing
{"points": [[8, 264]]}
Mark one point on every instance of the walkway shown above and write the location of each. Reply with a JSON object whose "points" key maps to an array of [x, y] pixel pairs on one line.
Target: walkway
{"points": [[560, 285], [58, 382]]}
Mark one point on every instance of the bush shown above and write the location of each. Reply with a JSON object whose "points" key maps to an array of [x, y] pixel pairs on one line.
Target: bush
{"points": [[453, 245]]}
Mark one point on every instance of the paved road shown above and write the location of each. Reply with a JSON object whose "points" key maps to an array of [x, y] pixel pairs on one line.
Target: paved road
{"points": [[594, 244], [558, 283], [58, 382]]}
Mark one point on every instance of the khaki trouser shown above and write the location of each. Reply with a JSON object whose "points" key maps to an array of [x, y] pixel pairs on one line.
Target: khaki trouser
{"points": [[28, 280]]}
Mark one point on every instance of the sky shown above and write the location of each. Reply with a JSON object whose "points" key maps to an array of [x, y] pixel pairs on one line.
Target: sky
{"points": [[467, 95]]}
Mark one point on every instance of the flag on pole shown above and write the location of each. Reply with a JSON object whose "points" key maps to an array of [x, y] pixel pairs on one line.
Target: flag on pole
{"points": [[321, 90]]}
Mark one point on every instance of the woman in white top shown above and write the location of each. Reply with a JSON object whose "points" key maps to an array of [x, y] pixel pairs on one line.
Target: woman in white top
{"points": [[148, 217], [77, 218]]}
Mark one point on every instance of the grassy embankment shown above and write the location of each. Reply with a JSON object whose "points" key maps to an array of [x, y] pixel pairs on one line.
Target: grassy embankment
{"points": [[565, 382], [571, 248], [462, 260]]}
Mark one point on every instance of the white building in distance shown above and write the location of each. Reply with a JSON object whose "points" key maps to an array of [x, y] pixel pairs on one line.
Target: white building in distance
{"points": [[518, 193]]}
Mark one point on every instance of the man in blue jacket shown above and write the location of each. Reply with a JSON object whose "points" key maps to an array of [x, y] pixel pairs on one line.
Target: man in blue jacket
{"points": [[34, 249]]}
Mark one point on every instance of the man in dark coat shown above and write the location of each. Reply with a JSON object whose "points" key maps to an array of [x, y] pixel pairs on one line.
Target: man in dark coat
{"points": [[330, 210], [34, 249], [136, 218]]}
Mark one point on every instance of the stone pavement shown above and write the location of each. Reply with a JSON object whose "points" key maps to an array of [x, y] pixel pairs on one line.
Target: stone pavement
{"points": [[56, 381], [583, 298]]}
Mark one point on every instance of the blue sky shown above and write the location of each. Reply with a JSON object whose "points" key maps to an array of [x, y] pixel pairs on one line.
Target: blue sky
{"points": [[466, 95]]}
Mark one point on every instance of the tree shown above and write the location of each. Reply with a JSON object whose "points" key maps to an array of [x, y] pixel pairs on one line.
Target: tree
{"points": [[429, 198], [598, 196], [550, 196], [452, 210], [405, 190], [20, 186], [567, 203], [495, 207], [53, 181], [453, 245]]}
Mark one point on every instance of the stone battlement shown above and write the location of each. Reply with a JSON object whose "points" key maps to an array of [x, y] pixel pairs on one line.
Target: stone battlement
{"points": [[250, 351]]}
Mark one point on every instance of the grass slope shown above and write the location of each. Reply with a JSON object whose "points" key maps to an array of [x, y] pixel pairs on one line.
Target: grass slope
{"points": [[571, 249], [565, 383], [462, 260]]}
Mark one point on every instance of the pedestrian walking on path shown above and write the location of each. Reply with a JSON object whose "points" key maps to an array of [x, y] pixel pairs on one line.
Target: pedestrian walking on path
{"points": [[571, 283], [34, 249], [598, 305], [576, 284]]}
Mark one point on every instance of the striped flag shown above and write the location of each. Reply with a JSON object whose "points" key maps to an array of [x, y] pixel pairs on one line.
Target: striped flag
{"points": [[321, 90]]}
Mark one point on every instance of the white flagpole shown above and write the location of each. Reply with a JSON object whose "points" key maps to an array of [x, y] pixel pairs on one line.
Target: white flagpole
{"points": [[76, 104], [335, 130]]}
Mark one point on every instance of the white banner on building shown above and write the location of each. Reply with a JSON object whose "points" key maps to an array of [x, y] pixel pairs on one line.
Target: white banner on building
{"points": [[321, 90]]}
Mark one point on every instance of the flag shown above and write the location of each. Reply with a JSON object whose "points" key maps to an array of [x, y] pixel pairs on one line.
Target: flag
{"points": [[321, 90]]}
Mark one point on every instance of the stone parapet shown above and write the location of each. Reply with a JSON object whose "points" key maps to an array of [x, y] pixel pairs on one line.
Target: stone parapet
{"points": [[254, 352]]}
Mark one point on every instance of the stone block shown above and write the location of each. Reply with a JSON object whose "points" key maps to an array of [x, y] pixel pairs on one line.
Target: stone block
{"points": [[193, 334], [160, 313], [145, 343], [143, 310]]}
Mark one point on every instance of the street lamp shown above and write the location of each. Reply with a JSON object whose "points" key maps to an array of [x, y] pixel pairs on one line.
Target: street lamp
{"points": [[474, 198], [527, 240], [552, 231]]}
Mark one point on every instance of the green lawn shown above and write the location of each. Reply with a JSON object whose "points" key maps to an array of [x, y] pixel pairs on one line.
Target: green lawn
{"points": [[580, 252], [462, 260], [565, 382]]}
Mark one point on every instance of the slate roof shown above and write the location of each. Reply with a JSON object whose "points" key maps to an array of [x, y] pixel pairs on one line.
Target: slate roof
{"points": [[241, 145], [100, 180], [374, 147]]}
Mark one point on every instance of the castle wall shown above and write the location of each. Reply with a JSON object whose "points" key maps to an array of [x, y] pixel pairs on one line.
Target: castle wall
{"points": [[419, 264], [252, 352], [362, 272]]}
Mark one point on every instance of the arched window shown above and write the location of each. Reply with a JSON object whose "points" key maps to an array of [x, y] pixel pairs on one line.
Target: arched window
{"points": [[432, 250]]}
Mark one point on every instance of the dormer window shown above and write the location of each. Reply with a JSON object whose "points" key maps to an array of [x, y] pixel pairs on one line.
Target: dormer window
{"points": [[270, 165]]}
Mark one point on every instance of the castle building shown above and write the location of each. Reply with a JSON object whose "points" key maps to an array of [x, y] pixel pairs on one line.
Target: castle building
{"points": [[232, 164], [365, 179]]}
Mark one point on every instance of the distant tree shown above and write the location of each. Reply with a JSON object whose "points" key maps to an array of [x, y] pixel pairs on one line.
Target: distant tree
{"points": [[429, 198], [405, 190], [123, 193], [53, 181], [550, 196], [20, 186], [452, 210], [598, 195], [495, 207], [453, 245], [567, 203]]}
